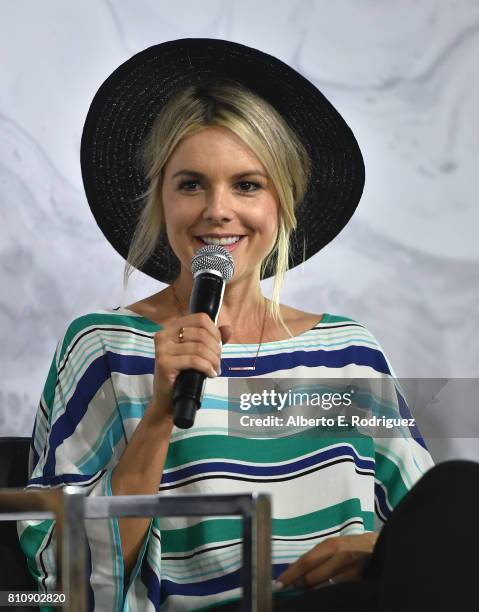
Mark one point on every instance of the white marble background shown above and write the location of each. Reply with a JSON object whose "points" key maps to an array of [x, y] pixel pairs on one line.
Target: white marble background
{"points": [[404, 75]]}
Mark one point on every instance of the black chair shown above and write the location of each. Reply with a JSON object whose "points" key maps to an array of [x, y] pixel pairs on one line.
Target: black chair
{"points": [[14, 573]]}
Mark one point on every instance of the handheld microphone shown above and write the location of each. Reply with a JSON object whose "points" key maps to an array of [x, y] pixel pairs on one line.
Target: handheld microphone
{"points": [[212, 267]]}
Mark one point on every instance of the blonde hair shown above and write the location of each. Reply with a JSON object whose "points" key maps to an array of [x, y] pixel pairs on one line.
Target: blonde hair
{"points": [[227, 103]]}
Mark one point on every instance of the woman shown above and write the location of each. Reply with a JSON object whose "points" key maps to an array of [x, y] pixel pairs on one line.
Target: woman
{"points": [[219, 161]]}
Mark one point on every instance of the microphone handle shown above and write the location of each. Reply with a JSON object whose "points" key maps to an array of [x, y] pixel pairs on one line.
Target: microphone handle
{"points": [[206, 296]]}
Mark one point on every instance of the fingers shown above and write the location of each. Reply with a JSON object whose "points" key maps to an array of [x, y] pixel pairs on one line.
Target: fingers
{"points": [[197, 335], [307, 562], [329, 559], [199, 320], [210, 354], [343, 566], [351, 574], [195, 362], [200, 349], [200, 337]]}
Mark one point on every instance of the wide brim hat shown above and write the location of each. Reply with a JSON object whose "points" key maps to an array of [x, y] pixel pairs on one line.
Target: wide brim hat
{"points": [[125, 106]]}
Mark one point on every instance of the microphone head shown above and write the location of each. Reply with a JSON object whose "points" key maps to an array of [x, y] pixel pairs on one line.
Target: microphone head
{"points": [[214, 258]]}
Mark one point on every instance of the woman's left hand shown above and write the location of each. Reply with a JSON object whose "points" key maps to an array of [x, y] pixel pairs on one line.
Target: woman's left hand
{"points": [[341, 558]]}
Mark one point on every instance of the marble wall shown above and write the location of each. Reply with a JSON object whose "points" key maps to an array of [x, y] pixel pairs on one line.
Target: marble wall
{"points": [[404, 75]]}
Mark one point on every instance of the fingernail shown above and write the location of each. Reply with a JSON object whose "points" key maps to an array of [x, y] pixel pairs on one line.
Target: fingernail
{"points": [[214, 374], [278, 585]]}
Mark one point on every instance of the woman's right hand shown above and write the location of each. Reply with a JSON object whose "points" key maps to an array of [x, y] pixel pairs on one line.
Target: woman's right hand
{"points": [[200, 350]]}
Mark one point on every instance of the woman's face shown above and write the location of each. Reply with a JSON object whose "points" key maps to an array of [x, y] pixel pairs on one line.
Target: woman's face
{"points": [[215, 185]]}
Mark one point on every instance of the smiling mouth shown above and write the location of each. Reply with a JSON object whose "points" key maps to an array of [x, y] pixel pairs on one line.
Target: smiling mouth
{"points": [[229, 247]]}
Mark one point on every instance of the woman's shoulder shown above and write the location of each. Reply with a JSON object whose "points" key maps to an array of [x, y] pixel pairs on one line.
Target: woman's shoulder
{"points": [[104, 322], [338, 330], [301, 320], [346, 325], [345, 332]]}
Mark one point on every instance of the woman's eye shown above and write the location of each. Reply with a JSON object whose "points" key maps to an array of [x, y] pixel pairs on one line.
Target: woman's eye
{"points": [[256, 185], [187, 186], [184, 183]]}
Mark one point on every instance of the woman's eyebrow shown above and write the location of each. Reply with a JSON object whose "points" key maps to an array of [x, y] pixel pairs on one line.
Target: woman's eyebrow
{"points": [[235, 176]]}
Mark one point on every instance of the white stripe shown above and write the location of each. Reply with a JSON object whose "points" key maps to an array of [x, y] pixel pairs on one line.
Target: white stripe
{"points": [[303, 495]]}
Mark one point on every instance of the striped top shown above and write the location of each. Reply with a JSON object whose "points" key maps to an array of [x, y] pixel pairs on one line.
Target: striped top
{"points": [[97, 389]]}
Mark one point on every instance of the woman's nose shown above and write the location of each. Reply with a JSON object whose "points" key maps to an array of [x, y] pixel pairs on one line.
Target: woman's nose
{"points": [[217, 205]]}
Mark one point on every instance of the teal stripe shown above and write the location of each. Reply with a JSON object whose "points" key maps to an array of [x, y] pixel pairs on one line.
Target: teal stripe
{"points": [[111, 433], [331, 318], [137, 322], [299, 345], [271, 450], [101, 451], [180, 570], [365, 400], [97, 319], [386, 453], [133, 409], [211, 531], [390, 475]]}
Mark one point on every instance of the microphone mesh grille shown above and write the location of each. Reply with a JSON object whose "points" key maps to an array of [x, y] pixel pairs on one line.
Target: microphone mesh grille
{"points": [[213, 257]]}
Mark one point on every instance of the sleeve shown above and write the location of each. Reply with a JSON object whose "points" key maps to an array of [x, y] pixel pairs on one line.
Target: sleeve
{"points": [[77, 439], [401, 455]]}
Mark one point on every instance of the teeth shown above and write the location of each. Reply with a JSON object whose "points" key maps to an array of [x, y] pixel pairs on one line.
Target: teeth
{"points": [[222, 241]]}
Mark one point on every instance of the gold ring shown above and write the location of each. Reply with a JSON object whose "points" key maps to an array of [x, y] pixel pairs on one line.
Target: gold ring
{"points": [[181, 334]]}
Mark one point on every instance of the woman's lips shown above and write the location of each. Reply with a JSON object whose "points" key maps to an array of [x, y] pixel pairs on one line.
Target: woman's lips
{"points": [[228, 247]]}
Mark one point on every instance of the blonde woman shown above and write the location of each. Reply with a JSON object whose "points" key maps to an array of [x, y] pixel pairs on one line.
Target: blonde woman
{"points": [[192, 142]]}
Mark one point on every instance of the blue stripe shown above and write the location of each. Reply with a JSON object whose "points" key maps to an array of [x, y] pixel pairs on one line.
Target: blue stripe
{"points": [[100, 370], [203, 587], [213, 586], [406, 414], [94, 377], [131, 364], [60, 479], [75, 410], [150, 580], [359, 355], [267, 470]]}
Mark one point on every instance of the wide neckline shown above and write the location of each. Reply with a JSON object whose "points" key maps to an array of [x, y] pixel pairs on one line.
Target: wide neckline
{"points": [[323, 319]]}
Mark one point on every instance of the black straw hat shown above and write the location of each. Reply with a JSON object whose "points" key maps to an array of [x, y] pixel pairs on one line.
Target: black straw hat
{"points": [[125, 106]]}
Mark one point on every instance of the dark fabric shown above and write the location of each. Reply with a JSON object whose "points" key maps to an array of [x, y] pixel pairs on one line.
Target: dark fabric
{"points": [[14, 462], [425, 557], [14, 574]]}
